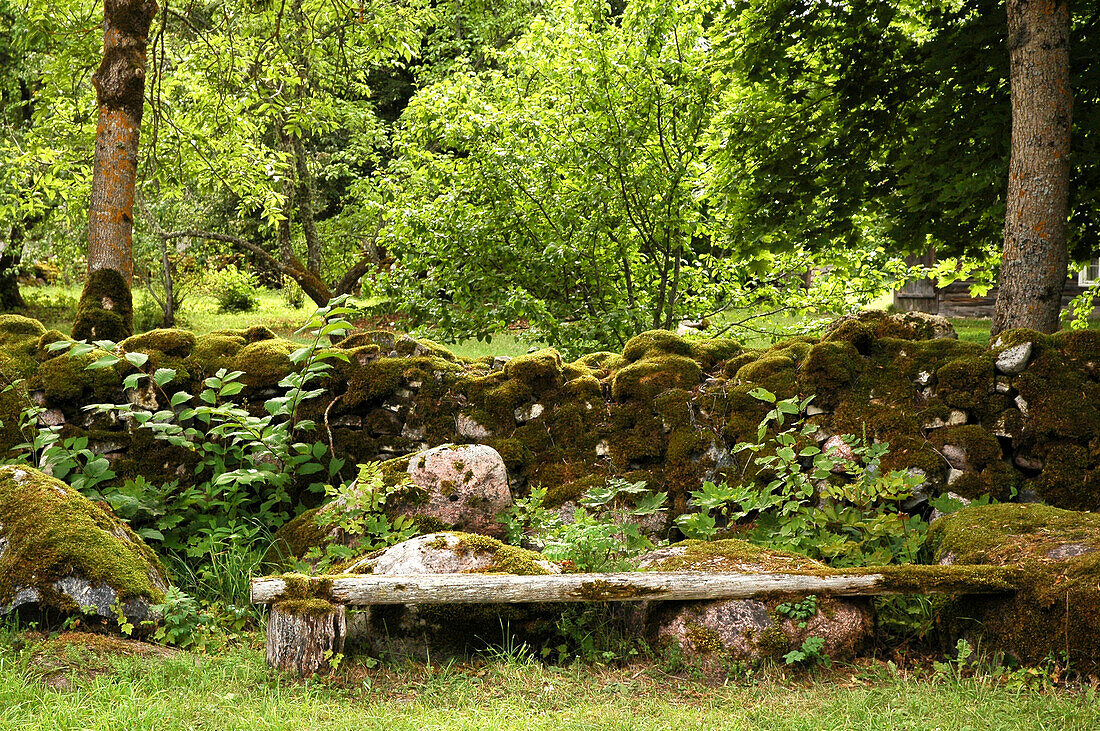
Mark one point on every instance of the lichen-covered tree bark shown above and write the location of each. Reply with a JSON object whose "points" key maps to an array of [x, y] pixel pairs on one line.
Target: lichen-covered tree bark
{"points": [[106, 310], [1033, 270]]}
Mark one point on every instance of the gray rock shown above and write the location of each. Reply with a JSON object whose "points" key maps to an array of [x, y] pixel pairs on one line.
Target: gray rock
{"points": [[1012, 361], [524, 414], [468, 428], [463, 486]]}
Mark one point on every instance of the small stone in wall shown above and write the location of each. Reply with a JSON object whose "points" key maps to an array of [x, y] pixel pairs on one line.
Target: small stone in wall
{"points": [[924, 378], [956, 417], [603, 449], [524, 414], [500, 361], [1021, 404], [468, 428], [1012, 361]]}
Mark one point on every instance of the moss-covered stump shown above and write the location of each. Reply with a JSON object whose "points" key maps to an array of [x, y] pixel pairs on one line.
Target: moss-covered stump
{"points": [[1057, 606], [436, 631], [719, 632], [62, 555]]}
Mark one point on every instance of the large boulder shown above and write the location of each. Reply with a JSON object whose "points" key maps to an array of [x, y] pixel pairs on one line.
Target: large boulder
{"points": [[437, 631], [1057, 606], [460, 487], [715, 633], [63, 555]]}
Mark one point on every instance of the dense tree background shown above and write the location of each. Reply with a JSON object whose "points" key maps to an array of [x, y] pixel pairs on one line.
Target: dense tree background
{"points": [[589, 169]]}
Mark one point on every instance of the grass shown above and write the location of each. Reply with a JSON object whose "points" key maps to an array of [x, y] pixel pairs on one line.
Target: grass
{"points": [[235, 690]]}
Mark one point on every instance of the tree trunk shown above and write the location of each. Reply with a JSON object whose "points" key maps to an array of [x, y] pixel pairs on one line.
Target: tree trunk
{"points": [[12, 254], [1033, 270], [305, 637], [106, 308], [305, 208]]}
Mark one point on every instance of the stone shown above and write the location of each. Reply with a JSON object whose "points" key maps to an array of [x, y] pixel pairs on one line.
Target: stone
{"points": [[469, 428], [431, 632], [956, 457], [841, 450], [63, 555], [524, 414], [714, 633], [500, 361], [1013, 361], [1021, 404], [956, 417], [923, 378], [462, 486], [1056, 608]]}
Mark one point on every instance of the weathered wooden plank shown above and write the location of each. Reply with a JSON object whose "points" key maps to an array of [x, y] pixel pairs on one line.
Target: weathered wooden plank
{"points": [[368, 589]]}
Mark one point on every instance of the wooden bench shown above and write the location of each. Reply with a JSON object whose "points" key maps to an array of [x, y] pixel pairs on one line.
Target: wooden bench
{"points": [[306, 625]]}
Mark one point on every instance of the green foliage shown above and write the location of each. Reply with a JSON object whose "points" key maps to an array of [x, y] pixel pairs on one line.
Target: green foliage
{"points": [[799, 611], [798, 504], [360, 519], [809, 654], [182, 622], [599, 541], [233, 289]]}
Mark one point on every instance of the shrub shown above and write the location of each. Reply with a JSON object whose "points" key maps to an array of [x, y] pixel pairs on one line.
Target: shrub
{"points": [[234, 289]]}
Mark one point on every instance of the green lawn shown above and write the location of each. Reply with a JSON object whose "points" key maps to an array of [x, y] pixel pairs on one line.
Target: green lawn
{"points": [[234, 690]]}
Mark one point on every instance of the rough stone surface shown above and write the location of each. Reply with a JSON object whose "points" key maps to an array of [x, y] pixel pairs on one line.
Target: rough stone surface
{"points": [[439, 632], [1012, 361], [464, 486], [717, 632]]}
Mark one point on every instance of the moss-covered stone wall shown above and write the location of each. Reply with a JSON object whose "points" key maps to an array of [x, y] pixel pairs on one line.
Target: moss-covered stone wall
{"points": [[973, 420]]}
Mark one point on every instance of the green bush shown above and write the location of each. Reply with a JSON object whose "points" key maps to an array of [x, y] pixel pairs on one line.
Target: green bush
{"points": [[234, 289]]}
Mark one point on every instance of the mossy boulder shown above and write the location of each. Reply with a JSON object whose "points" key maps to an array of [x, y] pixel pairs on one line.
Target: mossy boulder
{"points": [[644, 380], [426, 631], [715, 633], [63, 555], [1057, 606], [900, 325]]}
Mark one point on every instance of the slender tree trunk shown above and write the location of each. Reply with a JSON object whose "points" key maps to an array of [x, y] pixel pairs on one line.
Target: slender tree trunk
{"points": [[106, 308], [1033, 270], [305, 208], [10, 256]]}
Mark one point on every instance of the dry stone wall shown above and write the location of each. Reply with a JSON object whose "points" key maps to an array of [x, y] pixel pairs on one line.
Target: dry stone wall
{"points": [[1019, 420]]}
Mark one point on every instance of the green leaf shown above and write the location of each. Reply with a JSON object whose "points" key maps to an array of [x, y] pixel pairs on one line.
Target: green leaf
{"points": [[137, 359], [106, 361], [163, 375]]}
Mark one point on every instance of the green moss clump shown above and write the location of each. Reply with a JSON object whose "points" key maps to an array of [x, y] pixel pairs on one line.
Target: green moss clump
{"points": [[1070, 478], [42, 351], [655, 343], [214, 351], [774, 372], [602, 360], [505, 559], [106, 308], [730, 555], [541, 370], [645, 379], [828, 370], [1078, 345], [258, 333], [1057, 554], [171, 342], [52, 531], [265, 362], [67, 382], [712, 351], [965, 383], [316, 608]]}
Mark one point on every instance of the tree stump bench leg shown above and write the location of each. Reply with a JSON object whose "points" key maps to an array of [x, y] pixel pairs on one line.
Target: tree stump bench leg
{"points": [[302, 636]]}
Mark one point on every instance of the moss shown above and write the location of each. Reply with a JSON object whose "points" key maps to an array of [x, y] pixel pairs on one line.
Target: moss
{"points": [[541, 370], [178, 343], [52, 531], [265, 362], [965, 383], [315, 608], [855, 333], [828, 370], [106, 308], [602, 590], [48, 338], [774, 372], [703, 639], [1057, 556], [712, 351], [584, 388], [408, 346], [731, 555], [1070, 478], [602, 360], [214, 351], [1078, 345], [67, 382], [376, 380], [655, 343], [737, 362], [505, 559], [258, 333], [645, 379]]}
